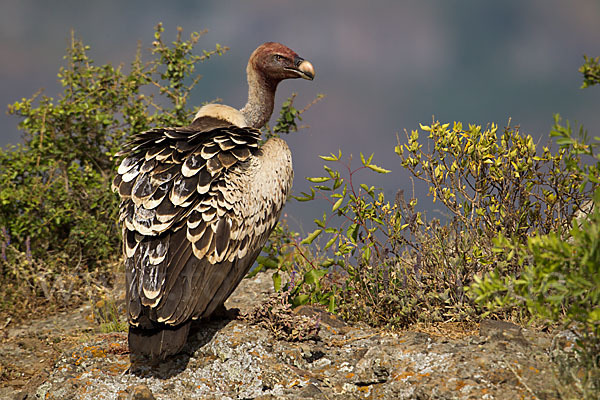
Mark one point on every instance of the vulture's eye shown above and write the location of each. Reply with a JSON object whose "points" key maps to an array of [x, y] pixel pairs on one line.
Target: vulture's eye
{"points": [[279, 57]]}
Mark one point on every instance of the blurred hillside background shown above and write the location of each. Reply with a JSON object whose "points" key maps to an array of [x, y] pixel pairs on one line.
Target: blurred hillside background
{"points": [[385, 66]]}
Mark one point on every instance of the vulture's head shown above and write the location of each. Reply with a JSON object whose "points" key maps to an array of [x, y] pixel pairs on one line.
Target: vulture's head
{"points": [[276, 62]]}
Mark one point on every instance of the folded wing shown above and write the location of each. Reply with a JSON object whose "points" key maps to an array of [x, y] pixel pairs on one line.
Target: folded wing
{"points": [[195, 215]]}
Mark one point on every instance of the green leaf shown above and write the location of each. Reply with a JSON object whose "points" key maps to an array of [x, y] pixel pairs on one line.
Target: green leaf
{"points": [[276, 281], [337, 204], [312, 236], [329, 171], [327, 263], [320, 179], [352, 232], [267, 262], [378, 169], [564, 140], [331, 157], [331, 306], [306, 197], [337, 183], [330, 242], [366, 255], [300, 300], [313, 276], [370, 158]]}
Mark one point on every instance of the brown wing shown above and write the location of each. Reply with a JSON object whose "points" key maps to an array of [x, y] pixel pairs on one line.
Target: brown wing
{"points": [[196, 211]]}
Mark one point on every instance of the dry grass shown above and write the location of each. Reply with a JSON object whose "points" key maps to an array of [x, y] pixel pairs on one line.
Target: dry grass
{"points": [[33, 287]]}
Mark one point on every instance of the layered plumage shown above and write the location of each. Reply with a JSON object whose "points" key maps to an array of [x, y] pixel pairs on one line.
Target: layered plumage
{"points": [[198, 204]]}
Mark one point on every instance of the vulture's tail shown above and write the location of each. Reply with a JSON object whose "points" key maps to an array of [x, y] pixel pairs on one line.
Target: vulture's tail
{"points": [[159, 341]]}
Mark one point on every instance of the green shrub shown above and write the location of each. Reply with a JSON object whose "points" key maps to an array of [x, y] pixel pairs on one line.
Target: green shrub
{"points": [[559, 276], [57, 213], [496, 183], [558, 281], [383, 262], [559, 284]]}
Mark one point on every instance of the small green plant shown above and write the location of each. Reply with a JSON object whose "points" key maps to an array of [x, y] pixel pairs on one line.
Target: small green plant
{"points": [[110, 316], [295, 269], [590, 71], [27, 280], [355, 270], [286, 122]]}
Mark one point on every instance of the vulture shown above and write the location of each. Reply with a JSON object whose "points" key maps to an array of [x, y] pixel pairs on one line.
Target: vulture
{"points": [[198, 204]]}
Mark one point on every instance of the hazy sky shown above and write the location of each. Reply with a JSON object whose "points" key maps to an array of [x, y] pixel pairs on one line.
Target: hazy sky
{"points": [[385, 66]]}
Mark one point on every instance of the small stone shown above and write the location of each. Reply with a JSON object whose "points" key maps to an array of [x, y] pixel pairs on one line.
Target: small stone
{"points": [[502, 330], [483, 361], [141, 392], [373, 367], [311, 391]]}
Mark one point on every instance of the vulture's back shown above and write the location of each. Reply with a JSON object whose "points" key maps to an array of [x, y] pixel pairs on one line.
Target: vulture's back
{"points": [[198, 204]]}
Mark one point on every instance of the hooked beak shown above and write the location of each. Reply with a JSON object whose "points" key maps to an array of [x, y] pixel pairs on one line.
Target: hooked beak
{"points": [[303, 68]]}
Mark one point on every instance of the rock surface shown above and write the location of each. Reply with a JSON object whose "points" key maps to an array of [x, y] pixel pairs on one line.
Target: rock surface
{"points": [[65, 358]]}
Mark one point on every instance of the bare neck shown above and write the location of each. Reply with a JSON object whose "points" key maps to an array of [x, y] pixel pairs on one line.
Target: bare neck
{"points": [[261, 99]]}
